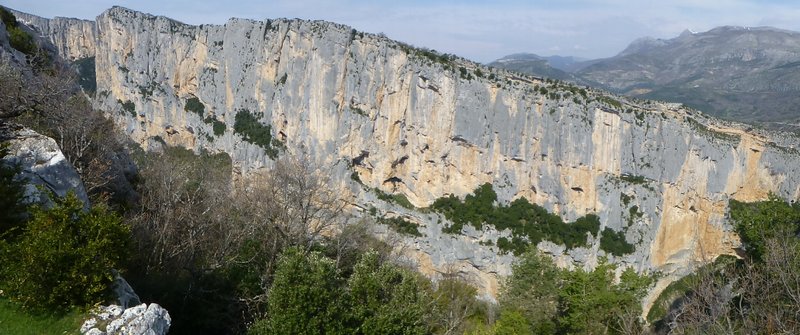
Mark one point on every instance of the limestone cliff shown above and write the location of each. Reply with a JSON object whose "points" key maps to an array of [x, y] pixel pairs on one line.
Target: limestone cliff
{"points": [[424, 125], [73, 38]]}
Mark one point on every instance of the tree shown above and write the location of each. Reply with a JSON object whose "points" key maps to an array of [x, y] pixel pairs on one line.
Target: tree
{"points": [[302, 203], [532, 290], [387, 299], [772, 288], [186, 220], [512, 322], [31, 92], [13, 208], [755, 222], [584, 293], [64, 256], [291, 205], [51, 103], [306, 297], [455, 305], [573, 302]]}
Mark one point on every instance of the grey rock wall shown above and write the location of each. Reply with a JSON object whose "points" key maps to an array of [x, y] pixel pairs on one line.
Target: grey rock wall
{"points": [[73, 38], [422, 129], [416, 124]]}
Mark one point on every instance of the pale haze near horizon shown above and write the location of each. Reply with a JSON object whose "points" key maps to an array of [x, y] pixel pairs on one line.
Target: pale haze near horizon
{"points": [[479, 30]]}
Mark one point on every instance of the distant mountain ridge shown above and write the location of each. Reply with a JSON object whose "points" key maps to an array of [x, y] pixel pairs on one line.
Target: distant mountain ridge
{"points": [[556, 67], [748, 74]]}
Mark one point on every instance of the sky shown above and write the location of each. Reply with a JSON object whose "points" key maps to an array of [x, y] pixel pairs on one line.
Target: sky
{"points": [[478, 30]]}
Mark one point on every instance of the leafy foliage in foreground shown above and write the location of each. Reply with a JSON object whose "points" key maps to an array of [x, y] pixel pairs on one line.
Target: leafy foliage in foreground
{"points": [[557, 301], [13, 209], [310, 296], [758, 221], [64, 256]]}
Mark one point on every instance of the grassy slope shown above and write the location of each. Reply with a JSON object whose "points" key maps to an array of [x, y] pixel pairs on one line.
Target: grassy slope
{"points": [[15, 321]]}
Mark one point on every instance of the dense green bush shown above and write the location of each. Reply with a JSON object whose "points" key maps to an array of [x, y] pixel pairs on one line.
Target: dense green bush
{"points": [[309, 295], [306, 297], [194, 105], [247, 125], [614, 242], [217, 126], [560, 301], [18, 38], [387, 299], [401, 226], [12, 193], [64, 256], [128, 106], [527, 222], [757, 221]]}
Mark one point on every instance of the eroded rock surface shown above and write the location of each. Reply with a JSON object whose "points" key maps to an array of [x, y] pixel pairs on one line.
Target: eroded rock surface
{"points": [[73, 38], [41, 163], [142, 319], [414, 123]]}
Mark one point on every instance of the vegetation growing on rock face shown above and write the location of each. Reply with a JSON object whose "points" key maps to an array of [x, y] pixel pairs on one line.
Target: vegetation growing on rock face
{"points": [[128, 106], [529, 223], [614, 242], [250, 128], [397, 198], [401, 226], [194, 105], [18, 38]]}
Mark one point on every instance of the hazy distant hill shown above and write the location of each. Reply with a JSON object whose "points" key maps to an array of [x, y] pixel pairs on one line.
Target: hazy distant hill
{"points": [[556, 67], [745, 74]]}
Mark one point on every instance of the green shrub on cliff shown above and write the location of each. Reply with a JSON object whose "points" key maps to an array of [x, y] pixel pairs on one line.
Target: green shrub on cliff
{"points": [[18, 38], [247, 125], [529, 223]]}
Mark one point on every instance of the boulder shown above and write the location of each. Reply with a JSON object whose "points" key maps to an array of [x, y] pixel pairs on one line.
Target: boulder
{"points": [[42, 164], [142, 319]]}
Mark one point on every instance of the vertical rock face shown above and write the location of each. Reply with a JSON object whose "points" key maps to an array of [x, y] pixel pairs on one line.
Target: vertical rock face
{"points": [[421, 126], [412, 122], [73, 38]]}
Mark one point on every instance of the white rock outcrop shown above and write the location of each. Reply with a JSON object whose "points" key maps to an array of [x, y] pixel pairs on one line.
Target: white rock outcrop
{"points": [[137, 320], [42, 164]]}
